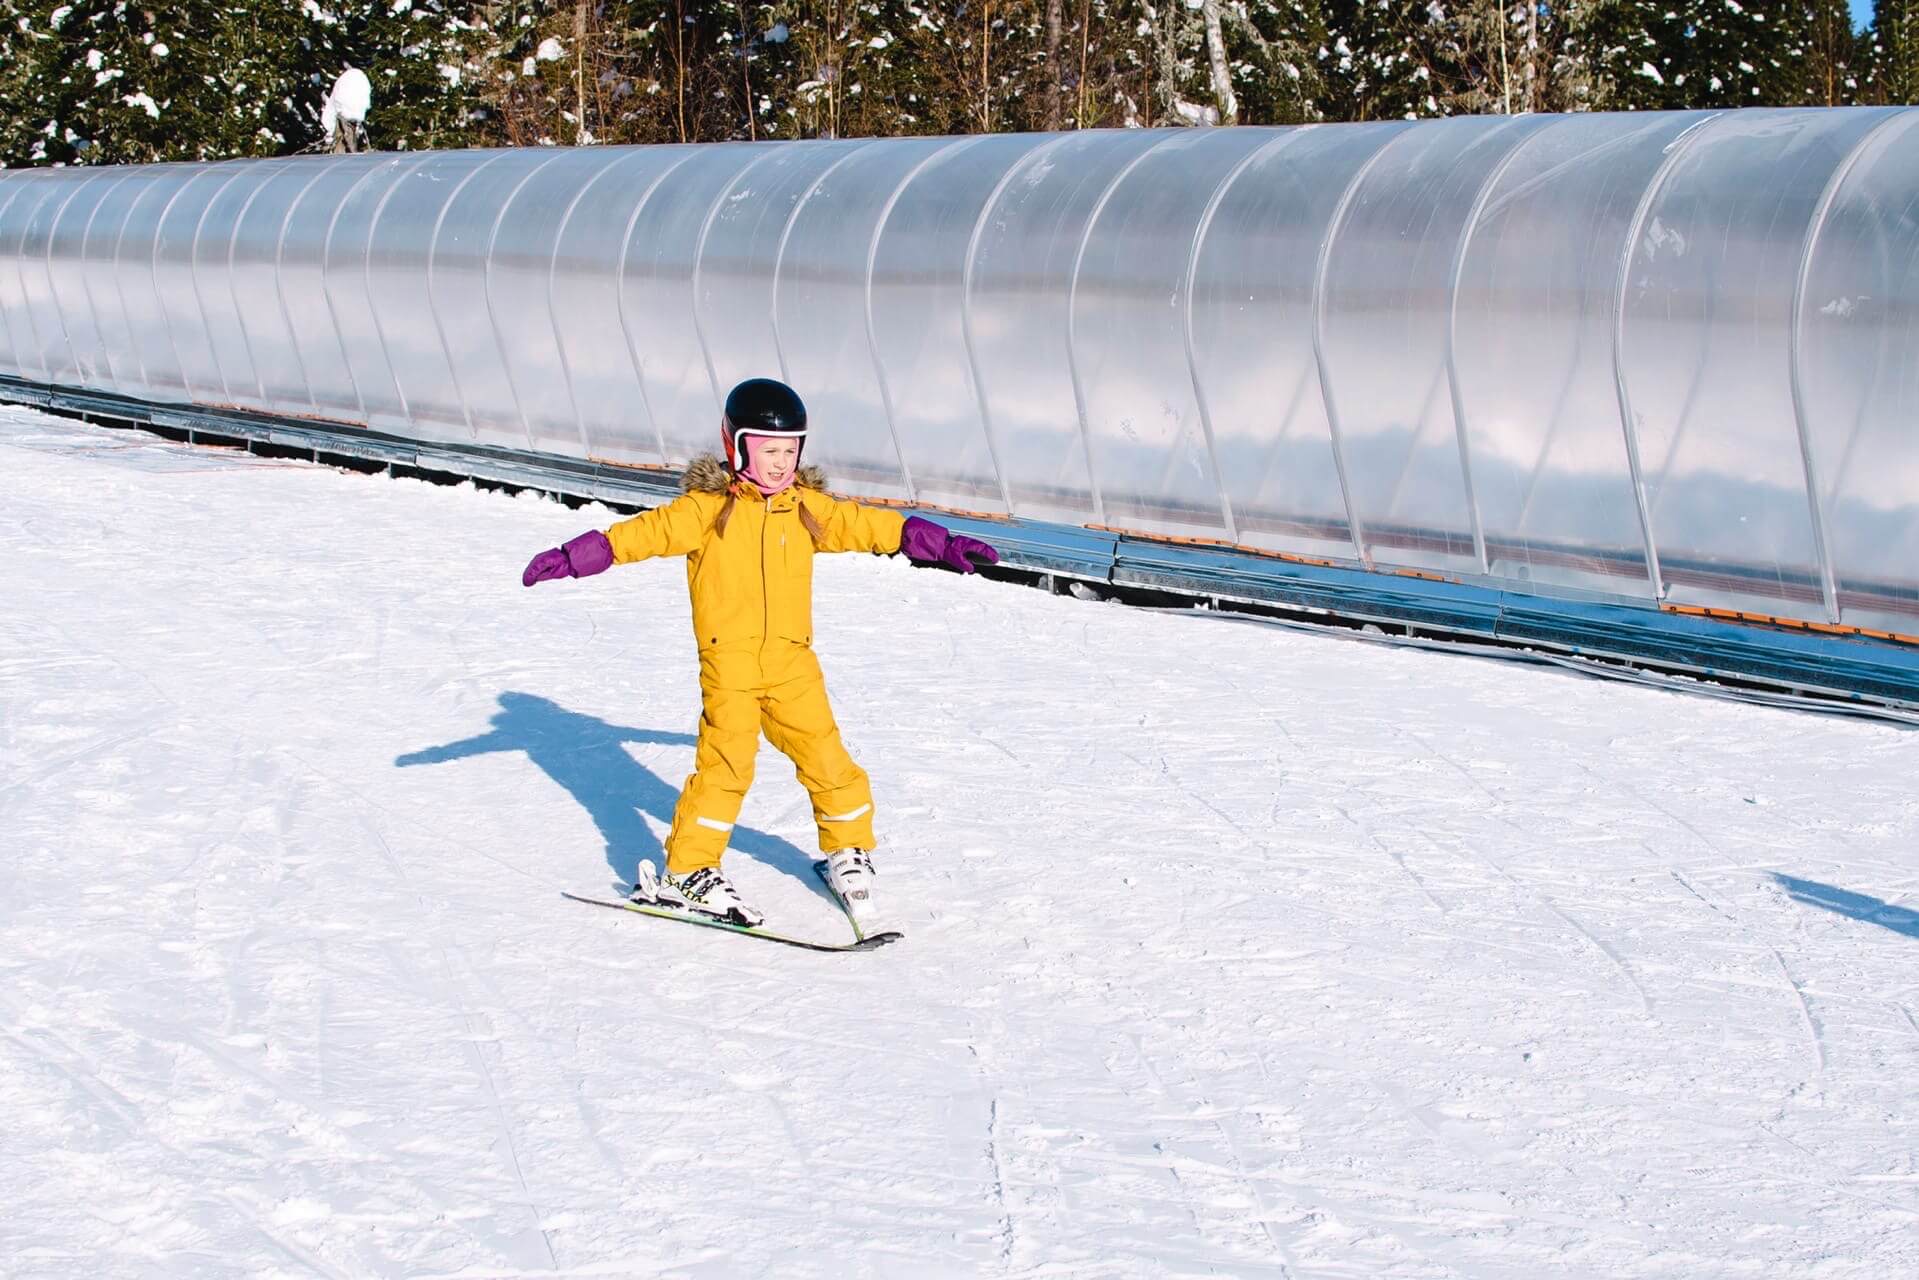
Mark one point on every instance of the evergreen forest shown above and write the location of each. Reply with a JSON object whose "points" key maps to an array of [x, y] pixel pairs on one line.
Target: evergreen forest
{"points": [[111, 81]]}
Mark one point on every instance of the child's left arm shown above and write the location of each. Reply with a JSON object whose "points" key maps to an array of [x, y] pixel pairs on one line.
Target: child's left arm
{"points": [[848, 526]]}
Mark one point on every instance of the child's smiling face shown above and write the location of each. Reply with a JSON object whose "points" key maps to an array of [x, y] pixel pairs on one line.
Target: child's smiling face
{"points": [[772, 458]]}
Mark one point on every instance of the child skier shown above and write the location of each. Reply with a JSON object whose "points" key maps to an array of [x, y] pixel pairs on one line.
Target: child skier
{"points": [[749, 528]]}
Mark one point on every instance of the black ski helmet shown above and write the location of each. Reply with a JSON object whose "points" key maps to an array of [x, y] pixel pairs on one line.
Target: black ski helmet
{"points": [[760, 407]]}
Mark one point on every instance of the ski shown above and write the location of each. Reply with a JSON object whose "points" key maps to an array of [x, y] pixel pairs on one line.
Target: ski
{"points": [[879, 937], [864, 942]]}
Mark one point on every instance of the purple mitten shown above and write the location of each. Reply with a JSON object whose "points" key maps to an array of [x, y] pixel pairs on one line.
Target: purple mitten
{"points": [[924, 543], [581, 557], [548, 564], [966, 554]]}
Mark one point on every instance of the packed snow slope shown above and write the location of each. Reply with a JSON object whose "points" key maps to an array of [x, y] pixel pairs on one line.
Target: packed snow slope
{"points": [[1230, 951]]}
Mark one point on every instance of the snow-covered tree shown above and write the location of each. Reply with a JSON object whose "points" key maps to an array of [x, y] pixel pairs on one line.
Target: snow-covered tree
{"points": [[1734, 53], [1276, 49], [1890, 53], [1494, 62], [1575, 78], [86, 81], [1637, 52], [17, 60], [1512, 56], [343, 114], [423, 59], [112, 81], [570, 72], [1825, 56], [1384, 59]]}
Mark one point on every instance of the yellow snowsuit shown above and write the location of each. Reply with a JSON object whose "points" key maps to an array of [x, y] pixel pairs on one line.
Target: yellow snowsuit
{"points": [[752, 588]]}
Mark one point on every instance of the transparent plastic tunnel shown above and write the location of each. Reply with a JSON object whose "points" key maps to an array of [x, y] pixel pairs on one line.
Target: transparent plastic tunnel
{"points": [[1649, 358]]}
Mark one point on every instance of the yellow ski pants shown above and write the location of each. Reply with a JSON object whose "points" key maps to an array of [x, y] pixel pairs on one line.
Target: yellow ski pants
{"points": [[777, 689]]}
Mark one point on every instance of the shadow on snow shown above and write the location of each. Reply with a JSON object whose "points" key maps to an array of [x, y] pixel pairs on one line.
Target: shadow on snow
{"points": [[1858, 906], [588, 758]]}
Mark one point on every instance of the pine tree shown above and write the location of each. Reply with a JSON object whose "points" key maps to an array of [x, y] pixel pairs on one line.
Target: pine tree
{"points": [[18, 39], [1562, 43], [120, 80], [1384, 60], [1732, 54], [115, 82], [865, 68], [940, 82], [1893, 52], [422, 58], [1638, 55], [108, 81], [1824, 56], [1275, 49]]}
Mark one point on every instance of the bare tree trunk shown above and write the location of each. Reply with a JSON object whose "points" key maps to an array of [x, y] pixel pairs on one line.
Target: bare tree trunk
{"points": [[1897, 31], [580, 135], [1085, 48], [1054, 106], [837, 63], [1505, 69], [679, 61], [746, 80], [1164, 90], [1222, 74], [1832, 58], [1532, 56], [985, 61]]}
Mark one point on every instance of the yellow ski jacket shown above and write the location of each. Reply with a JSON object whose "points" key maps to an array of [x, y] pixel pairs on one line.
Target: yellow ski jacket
{"points": [[752, 580]]}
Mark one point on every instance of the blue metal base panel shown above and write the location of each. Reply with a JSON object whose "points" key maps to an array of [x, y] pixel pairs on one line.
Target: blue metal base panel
{"points": [[1846, 666]]}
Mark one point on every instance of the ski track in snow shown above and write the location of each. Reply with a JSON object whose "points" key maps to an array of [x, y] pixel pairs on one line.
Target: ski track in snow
{"points": [[1230, 950]]}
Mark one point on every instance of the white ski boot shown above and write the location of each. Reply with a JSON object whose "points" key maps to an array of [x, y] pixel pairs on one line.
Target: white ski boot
{"points": [[705, 891], [849, 873]]}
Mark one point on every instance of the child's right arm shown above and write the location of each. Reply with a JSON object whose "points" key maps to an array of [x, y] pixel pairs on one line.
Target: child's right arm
{"points": [[672, 530]]}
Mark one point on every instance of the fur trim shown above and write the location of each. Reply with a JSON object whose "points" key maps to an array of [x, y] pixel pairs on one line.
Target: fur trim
{"points": [[706, 474], [709, 474]]}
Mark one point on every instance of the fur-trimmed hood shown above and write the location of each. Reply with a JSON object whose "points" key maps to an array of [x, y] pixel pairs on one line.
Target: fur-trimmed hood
{"points": [[708, 473]]}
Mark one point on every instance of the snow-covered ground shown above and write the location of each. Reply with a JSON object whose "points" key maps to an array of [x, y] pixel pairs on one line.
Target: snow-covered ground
{"points": [[1231, 951]]}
